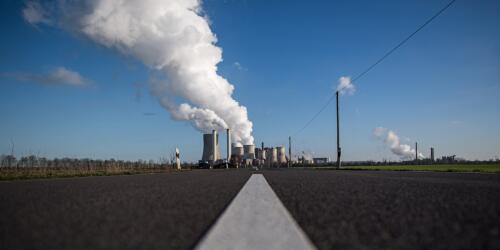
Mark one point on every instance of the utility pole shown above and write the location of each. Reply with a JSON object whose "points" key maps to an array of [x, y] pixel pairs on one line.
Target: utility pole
{"points": [[289, 150], [338, 132]]}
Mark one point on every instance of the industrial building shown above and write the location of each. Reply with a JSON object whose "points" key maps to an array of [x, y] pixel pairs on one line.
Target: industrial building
{"points": [[321, 160], [238, 155]]}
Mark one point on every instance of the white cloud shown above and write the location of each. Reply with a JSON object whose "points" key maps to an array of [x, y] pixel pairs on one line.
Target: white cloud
{"points": [[345, 86], [34, 13], [57, 76], [238, 66]]}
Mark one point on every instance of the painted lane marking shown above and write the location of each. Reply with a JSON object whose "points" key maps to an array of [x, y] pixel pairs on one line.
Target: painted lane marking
{"points": [[255, 219]]}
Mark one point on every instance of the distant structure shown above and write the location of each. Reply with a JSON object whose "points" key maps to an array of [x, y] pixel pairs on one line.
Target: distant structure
{"points": [[237, 154], [432, 154], [177, 159], [281, 154], [211, 150], [289, 150], [271, 157], [228, 147], [248, 154], [416, 151], [321, 160], [448, 159], [240, 155], [305, 161]]}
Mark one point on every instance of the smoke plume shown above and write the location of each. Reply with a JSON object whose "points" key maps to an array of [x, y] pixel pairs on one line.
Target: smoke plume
{"points": [[391, 139], [345, 86], [174, 39]]}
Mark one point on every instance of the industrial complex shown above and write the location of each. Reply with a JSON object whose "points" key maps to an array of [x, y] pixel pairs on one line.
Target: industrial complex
{"points": [[238, 155]]}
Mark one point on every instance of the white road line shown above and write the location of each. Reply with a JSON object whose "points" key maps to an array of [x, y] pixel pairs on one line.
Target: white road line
{"points": [[256, 219]]}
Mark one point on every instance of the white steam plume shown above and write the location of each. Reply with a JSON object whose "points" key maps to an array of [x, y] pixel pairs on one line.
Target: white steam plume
{"points": [[172, 37], [391, 139], [345, 86]]}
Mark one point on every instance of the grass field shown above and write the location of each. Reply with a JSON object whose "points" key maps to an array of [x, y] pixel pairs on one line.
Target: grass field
{"points": [[40, 173], [486, 168]]}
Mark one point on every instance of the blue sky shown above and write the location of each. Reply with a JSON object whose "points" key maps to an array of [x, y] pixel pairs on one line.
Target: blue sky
{"points": [[284, 58]]}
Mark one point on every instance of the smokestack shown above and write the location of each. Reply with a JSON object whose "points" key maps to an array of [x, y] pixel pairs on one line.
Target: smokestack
{"points": [[289, 149], [416, 151], [214, 138], [432, 154], [228, 145]]}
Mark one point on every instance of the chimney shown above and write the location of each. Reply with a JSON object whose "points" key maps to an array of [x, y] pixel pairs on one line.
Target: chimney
{"points": [[228, 144], [416, 151], [214, 144], [432, 154]]}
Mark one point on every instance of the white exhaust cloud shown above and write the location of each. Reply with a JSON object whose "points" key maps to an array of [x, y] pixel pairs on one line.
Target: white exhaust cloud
{"points": [[391, 139], [345, 86], [172, 37]]}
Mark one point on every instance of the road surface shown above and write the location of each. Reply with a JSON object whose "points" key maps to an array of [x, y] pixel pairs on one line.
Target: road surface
{"points": [[334, 209]]}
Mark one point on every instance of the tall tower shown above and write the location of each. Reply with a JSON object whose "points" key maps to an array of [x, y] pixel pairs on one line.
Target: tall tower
{"points": [[214, 145], [228, 145], [416, 151], [432, 154]]}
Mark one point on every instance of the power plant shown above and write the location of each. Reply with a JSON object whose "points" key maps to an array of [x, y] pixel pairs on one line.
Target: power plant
{"points": [[238, 155]]}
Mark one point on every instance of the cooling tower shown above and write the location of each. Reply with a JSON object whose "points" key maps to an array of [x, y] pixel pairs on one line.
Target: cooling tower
{"points": [[281, 154], [210, 142], [249, 152], [271, 156], [237, 150], [260, 154]]}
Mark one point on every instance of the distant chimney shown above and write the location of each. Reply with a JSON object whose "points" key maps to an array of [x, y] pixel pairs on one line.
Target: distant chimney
{"points": [[432, 154], [214, 138], [228, 144], [416, 151]]}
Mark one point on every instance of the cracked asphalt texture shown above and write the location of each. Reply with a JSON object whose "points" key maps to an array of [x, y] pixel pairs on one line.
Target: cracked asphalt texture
{"points": [[392, 210], [157, 211]]}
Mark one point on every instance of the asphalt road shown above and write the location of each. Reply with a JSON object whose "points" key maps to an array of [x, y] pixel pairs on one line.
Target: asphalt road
{"points": [[392, 210], [336, 209], [160, 211]]}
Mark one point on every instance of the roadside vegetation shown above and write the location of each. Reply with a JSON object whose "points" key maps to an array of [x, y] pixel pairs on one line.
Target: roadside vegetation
{"points": [[486, 168], [32, 167]]}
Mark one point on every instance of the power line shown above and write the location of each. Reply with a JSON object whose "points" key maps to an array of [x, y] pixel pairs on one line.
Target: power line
{"points": [[377, 62]]}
